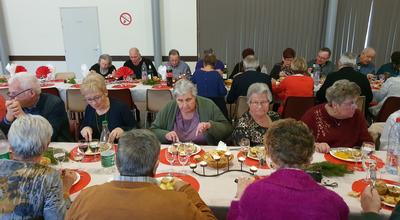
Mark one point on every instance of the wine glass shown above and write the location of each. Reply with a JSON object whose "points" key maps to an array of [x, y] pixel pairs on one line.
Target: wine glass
{"points": [[244, 145], [357, 155], [59, 155], [261, 156], [170, 156], [183, 158]]}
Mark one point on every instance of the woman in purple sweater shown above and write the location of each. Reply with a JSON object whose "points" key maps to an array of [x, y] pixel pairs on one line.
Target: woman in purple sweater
{"points": [[289, 192]]}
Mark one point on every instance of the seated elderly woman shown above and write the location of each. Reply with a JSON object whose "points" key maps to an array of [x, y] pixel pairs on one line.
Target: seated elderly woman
{"points": [[104, 67], [299, 84], [102, 108], [210, 84], [190, 118], [30, 190], [254, 123], [338, 123], [289, 192]]}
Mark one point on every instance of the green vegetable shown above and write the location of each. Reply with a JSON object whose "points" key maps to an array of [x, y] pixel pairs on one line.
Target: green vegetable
{"points": [[329, 169], [151, 82], [49, 154], [71, 81]]}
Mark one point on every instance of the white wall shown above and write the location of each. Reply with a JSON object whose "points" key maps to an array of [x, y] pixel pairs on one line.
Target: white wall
{"points": [[34, 27]]}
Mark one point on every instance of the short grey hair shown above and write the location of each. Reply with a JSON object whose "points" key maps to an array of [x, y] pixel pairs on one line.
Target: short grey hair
{"points": [[347, 59], [250, 62], [106, 57], [368, 49], [184, 86], [27, 81], [138, 152], [258, 88], [342, 90], [29, 136]]}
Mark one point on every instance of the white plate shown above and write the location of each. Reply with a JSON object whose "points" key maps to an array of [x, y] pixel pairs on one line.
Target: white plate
{"points": [[252, 156], [78, 177], [334, 150], [198, 149], [388, 204]]}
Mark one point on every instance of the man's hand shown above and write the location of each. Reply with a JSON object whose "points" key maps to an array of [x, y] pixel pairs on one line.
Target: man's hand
{"points": [[370, 200], [14, 110]]}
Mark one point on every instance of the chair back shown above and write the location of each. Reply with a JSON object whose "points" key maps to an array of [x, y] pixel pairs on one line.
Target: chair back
{"points": [[125, 96], [295, 107], [361, 103], [240, 107], [65, 75], [390, 105], [51, 90], [75, 101], [157, 99]]}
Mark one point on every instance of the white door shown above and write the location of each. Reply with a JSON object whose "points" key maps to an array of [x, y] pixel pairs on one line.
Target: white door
{"points": [[81, 37]]}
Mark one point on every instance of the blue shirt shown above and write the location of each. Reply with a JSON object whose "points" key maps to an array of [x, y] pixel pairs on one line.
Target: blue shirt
{"points": [[219, 65], [209, 84], [388, 68], [365, 69]]}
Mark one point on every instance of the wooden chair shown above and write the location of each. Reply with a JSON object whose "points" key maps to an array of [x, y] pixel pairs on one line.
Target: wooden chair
{"points": [[155, 101], [241, 107], [361, 103], [76, 105], [390, 105], [65, 75], [295, 107], [125, 95], [51, 90]]}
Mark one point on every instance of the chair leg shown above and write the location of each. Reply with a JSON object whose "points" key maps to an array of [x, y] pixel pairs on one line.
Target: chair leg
{"points": [[145, 119]]}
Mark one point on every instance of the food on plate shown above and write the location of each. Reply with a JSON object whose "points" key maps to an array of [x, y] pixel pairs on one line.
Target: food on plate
{"points": [[45, 161], [354, 194], [222, 160], [348, 154], [181, 147], [254, 151], [390, 194], [167, 183], [381, 187], [197, 158], [394, 191]]}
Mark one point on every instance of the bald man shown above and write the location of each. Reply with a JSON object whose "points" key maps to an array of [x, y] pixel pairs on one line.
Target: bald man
{"points": [[136, 61], [365, 64]]}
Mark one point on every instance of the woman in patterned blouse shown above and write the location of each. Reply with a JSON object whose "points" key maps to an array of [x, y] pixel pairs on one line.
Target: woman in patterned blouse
{"points": [[254, 123]]}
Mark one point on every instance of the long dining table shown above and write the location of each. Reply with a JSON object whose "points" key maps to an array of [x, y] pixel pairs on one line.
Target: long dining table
{"points": [[218, 192]]}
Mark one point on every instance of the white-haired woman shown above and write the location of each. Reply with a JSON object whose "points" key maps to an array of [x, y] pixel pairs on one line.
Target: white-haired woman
{"points": [[104, 67], [338, 123], [254, 123], [30, 190], [190, 118]]}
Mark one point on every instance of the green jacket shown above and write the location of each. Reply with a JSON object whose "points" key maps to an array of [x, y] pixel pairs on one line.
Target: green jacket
{"points": [[220, 129]]}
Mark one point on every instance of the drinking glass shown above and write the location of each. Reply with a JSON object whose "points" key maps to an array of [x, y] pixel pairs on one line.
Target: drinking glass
{"points": [[261, 156], [369, 166], [183, 158], [170, 156], [357, 156], [244, 145], [59, 155]]}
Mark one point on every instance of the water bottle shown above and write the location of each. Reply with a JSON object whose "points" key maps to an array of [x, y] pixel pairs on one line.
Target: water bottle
{"points": [[150, 73], [4, 150], [393, 149], [225, 73], [144, 71], [316, 74], [107, 152]]}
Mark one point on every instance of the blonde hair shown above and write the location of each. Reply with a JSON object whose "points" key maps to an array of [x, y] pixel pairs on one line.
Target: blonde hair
{"points": [[299, 65], [93, 82]]}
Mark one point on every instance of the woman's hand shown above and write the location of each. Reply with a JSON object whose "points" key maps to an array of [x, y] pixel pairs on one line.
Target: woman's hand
{"points": [[322, 147], [172, 136], [86, 133], [68, 178], [202, 127], [115, 134], [242, 184], [370, 200]]}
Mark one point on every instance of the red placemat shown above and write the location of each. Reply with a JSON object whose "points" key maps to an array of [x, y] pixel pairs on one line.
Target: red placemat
{"points": [[351, 165], [176, 162], [46, 85], [77, 86], [123, 86], [161, 87], [56, 80], [82, 183], [251, 162], [360, 185], [4, 85], [187, 178], [86, 158]]}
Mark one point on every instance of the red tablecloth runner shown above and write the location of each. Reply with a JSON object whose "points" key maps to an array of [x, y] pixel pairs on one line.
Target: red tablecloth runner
{"points": [[123, 86], [360, 185], [82, 183], [77, 86], [351, 165], [251, 162], [176, 162], [161, 87], [187, 178]]}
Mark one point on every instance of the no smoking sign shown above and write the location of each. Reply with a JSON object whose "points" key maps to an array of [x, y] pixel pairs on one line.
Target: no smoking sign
{"points": [[125, 18]]}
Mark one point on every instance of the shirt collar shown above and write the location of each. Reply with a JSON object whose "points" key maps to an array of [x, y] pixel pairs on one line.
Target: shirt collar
{"points": [[143, 179]]}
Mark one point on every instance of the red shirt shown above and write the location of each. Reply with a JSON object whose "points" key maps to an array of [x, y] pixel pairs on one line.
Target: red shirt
{"points": [[294, 85], [348, 132], [2, 107]]}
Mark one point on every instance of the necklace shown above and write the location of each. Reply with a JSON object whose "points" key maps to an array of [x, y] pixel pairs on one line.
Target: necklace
{"points": [[99, 122], [337, 122]]}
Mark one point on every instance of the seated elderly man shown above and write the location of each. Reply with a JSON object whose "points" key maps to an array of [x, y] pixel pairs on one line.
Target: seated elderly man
{"points": [[365, 64], [30, 190], [241, 82], [178, 66], [190, 118], [136, 61], [25, 97], [135, 194], [323, 61], [239, 67], [104, 67]]}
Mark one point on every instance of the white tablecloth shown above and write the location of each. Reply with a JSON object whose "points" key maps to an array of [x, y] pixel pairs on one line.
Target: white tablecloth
{"points": [[219, 191]]}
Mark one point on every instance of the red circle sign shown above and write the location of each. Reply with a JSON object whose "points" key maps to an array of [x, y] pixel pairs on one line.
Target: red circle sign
{"points": [[125, 18]]}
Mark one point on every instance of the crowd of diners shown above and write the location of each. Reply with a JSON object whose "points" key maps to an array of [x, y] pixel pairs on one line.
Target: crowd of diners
{"points": [[198, 114]]}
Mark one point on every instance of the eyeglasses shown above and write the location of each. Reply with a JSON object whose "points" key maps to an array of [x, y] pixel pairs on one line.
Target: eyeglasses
{"points": [[259, 103], [13, 95], [352, 103], [94, 99]]}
